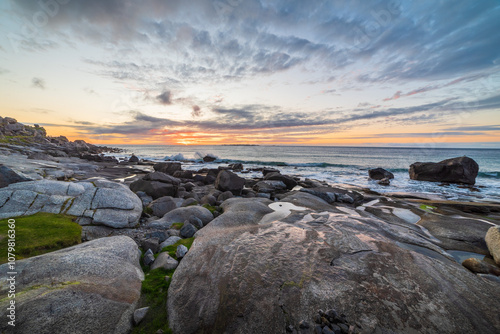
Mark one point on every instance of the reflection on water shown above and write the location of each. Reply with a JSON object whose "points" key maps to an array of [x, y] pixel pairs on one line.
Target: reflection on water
{"points": [[461, 256]]}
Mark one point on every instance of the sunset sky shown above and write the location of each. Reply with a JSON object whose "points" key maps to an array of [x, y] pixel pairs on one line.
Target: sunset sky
{"points": [[350, 72]]}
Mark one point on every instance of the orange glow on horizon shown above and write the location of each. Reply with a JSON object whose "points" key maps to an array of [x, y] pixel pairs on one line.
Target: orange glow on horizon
{"points": [[259, 138]]}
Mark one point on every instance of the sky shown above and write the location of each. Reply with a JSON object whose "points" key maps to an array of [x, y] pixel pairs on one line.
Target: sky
{"points": [[340, 72]]}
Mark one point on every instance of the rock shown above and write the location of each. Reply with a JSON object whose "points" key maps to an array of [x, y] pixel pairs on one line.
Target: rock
{"points": [[152, 244], [493, 242], [196, 222], [168, 167], [384, 276], [160, 235], [464, 234], [95, 232], [237, 167], [187, 230], [139, 314], [182, 214], [154, 189], [334, 194], [183, 174], [145, 198], [181, 251], [133, 158], [208, 199], [149, 258], [269, 187], [89, 288], [225, 195], [384, 182], [229, 181], [41, 156], [163, 205], [481, 267], [165, 261], [102, 202], [209, 158], [379, 174], [162, 177], [189, 201], [455, 170], [9, 176], [287, 180], [266, 171], [170, 241]]}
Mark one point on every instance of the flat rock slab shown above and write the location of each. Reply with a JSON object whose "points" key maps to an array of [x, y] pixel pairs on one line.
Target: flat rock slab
{"points": [[100, 202], [245, 276], [464, 234], [89, 288]]}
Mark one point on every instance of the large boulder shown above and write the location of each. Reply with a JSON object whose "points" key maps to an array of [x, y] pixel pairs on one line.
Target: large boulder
{"points": [[100, 202], [245, 276], [9, 176], [155, 189], [287, 180], [379, 174], [229, 181], [164, 204], [180, 215], [493, 241], [168, 167], [455, 170], [90, 288]]}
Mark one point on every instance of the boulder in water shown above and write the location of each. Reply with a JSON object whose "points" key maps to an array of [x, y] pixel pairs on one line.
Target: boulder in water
{"points": [[379, 174], [455, 170]]}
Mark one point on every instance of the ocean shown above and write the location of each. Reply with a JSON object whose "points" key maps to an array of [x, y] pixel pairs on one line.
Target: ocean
{"points": [[345, 165]]}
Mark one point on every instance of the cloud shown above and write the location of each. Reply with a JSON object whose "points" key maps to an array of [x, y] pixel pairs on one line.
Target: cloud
{"points": [[475, 128], [164, 98], [396, 96], [38, 83], [196, 111]]}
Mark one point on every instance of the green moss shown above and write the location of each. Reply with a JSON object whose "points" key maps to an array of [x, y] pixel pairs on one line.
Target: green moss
{"points": [[427, 208], [16, 140], [154, 294], [173, 248], [148, 210], [210, 208], [39, 234], [177, 226]]}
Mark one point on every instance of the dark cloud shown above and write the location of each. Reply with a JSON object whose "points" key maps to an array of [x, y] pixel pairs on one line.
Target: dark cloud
{"points": [[196, 111], [164, 98], [475, 128], [38, 83]]}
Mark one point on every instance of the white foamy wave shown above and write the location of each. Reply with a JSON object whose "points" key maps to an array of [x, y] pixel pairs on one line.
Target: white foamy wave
{"points": [[175, 157]]}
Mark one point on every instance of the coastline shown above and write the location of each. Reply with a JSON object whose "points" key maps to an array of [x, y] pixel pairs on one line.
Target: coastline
{"points": [[325, 247]]}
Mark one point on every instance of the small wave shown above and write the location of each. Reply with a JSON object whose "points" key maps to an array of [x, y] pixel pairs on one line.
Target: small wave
{"points": [[175, 157], [489, 175]]}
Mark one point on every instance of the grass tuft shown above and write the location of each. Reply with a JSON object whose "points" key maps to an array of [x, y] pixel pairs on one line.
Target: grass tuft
{"points": [[173, 248], [39, 234]]}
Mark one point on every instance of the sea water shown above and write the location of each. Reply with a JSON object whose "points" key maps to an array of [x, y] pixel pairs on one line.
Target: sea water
{"points": [[346, 165]]}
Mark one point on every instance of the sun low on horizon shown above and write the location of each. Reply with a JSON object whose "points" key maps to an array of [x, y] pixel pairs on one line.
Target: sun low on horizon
{"points": [[378, 73]]}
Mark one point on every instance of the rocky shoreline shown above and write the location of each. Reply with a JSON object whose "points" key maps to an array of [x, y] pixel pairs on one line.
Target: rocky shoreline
{"points": [[274, 254]]}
